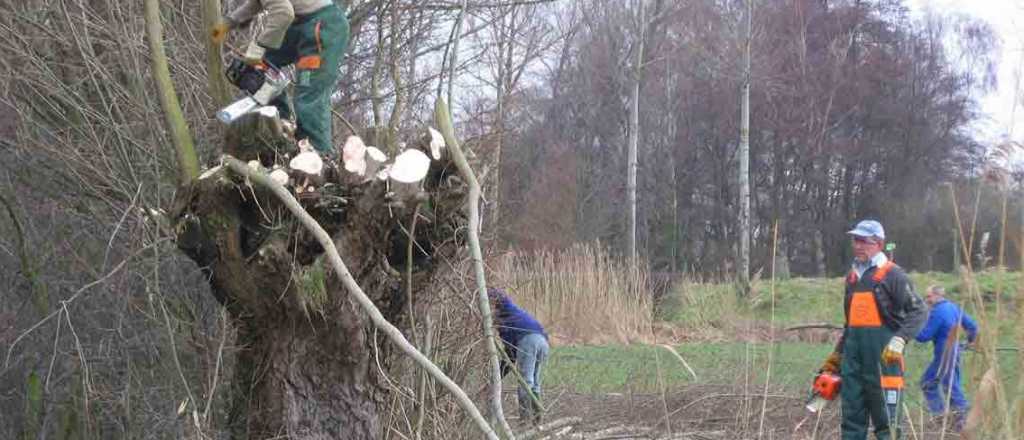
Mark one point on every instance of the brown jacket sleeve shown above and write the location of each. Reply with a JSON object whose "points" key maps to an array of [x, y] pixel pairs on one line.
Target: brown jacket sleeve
{"points": [[280, 14]]}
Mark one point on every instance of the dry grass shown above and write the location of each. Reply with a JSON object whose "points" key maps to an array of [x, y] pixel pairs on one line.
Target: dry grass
{"points": [[991, 415], [582, 294]]}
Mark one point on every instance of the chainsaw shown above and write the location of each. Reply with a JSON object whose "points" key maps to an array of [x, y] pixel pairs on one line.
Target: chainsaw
{"points": [[824, 389], [261, 84]]}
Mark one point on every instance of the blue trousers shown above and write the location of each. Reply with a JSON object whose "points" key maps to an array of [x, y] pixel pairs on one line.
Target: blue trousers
{"points": [[941, 380], [531, 352]]}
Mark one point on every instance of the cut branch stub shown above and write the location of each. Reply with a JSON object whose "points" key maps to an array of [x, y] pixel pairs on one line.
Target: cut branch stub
{"points": [[353, 155], [437, 143], [410, 167], [260, 135]]}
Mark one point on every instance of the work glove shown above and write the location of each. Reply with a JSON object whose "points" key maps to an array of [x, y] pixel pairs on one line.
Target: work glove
{"points": [[893, 352], [220, 32], [972, 345], [254, 54], [832, 363]]}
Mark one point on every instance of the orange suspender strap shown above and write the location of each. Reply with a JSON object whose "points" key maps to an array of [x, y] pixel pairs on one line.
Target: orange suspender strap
{"points": [[882, 271], [892, 382]]}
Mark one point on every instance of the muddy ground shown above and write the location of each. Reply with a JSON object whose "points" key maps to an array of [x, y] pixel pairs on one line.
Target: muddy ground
{"points": [[702, 412]]}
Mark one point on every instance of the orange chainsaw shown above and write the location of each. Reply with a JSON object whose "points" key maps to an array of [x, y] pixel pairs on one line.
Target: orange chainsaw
{"points": [[824, 389]]}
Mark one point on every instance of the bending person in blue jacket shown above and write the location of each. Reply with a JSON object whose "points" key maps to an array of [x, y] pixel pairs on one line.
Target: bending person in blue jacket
{"points": [[941, 381], [526, 344]]}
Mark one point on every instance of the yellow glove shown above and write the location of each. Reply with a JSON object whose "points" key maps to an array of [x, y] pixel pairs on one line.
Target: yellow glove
{"points": [[832, 363], [254, 54], [219, 32], [893, 353]]}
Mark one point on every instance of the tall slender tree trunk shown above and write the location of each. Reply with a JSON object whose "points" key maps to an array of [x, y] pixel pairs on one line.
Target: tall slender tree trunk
{"points": [[743, 269], [634, 134], [819, 254], [675, 210], [504, 43]]}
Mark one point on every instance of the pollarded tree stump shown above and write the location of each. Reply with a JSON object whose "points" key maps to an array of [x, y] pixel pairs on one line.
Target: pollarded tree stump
{"points": [[304, 370]]}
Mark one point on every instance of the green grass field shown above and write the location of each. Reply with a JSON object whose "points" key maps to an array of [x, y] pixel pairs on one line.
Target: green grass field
{"points": [[808, 300], [645, 369]]}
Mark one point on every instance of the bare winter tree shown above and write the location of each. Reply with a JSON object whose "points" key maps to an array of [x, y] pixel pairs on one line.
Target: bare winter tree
{"points": [[634, 129], [305, 370], [743, 268]]}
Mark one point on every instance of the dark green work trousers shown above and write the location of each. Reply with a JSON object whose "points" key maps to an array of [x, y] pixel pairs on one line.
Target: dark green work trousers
{"points": [[862, 394], [315, 43]]}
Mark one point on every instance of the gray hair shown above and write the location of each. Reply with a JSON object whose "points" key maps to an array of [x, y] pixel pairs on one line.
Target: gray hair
{"points": [[937, 289]]}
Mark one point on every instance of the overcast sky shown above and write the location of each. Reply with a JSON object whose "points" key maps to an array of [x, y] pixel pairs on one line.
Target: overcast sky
{"points": [[1006, 17]]}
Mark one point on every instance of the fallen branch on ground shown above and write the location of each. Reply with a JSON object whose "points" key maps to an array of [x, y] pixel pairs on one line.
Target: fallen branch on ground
{"points": [[550, 426], [814, 325]]}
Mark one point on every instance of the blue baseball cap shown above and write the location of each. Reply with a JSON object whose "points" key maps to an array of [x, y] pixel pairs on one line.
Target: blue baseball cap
{"points": [[868, 229]]}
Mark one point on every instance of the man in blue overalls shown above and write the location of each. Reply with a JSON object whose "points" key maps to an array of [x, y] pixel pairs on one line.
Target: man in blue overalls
{"points": [[941, 381], [526, 345]]}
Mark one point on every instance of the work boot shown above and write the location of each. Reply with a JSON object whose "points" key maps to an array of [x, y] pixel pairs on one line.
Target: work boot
{"points": [[959, 418]]}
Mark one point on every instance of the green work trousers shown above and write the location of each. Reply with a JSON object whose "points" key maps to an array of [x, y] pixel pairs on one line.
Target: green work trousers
{"points": [[315, 43], [862, 395]]}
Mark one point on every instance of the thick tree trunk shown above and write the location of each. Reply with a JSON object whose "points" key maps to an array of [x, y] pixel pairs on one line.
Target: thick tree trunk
{"points": [[305, 370], [302, 379], [302, 371]]}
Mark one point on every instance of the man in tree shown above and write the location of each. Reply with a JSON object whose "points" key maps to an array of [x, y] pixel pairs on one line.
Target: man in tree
{"points": [[941, 380], [882, 313], [526, 345], [313, 35]]}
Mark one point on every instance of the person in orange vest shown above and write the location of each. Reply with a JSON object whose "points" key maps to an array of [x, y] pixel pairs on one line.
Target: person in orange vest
{"points": [[882, 314]]}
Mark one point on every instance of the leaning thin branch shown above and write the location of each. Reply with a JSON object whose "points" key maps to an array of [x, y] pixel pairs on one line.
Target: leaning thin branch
{"points": [[188, 164], [444, 123], [27, 264], [174, 354], [455, 53], [216, 367], [357, 293]]}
